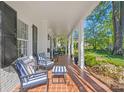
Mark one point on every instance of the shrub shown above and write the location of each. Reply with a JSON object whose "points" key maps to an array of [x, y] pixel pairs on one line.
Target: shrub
{"points": [[90, 60], [75, 53]]}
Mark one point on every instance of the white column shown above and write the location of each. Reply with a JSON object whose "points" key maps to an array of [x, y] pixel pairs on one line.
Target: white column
{"points": [[72, 45], [66, 48], [69, 42], [29, 50], [42, 37], [52, 46], [81, 45]]}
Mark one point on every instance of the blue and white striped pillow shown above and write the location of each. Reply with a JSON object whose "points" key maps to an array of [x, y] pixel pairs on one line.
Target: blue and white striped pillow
{"points": [[30, 69]]}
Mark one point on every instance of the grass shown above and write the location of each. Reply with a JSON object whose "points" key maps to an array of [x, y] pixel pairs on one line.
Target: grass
{"points": [[113, 59]]}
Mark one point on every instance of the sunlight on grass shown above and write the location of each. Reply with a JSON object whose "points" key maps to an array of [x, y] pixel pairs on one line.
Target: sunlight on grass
{"points": [[115, 60]]}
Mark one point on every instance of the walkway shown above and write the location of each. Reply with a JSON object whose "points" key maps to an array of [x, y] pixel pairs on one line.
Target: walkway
{"points": [[77, 80]]}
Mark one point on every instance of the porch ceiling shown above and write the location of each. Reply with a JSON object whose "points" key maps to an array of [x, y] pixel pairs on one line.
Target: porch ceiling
{"points": [[61, 16]]}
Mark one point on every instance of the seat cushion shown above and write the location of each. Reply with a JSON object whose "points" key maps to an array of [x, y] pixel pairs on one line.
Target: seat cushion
{"points": [[36, 76], [47, 63], [35, 80], [28, 64], [50, 62], [30, 69], [59, 70], [41, 58], [21, 68]]}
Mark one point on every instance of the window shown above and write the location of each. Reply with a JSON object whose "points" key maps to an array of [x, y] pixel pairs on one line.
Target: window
{"points": [[22, 38]]}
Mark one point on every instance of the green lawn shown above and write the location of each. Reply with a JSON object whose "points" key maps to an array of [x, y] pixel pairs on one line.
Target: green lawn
{"points": [[116, 60]]}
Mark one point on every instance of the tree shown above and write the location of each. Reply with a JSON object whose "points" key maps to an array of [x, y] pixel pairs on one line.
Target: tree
{"points": [[118, 24], [62, 43], [122, 22], [99, 28]]}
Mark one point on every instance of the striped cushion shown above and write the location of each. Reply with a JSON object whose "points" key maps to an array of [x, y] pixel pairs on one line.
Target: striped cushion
{"points": [[27, 64], [30, 69], [35, 80], [26, 60], [37, 76], [43, 61], [59, 69], [21, 68], [41, 58], [46, 63]]}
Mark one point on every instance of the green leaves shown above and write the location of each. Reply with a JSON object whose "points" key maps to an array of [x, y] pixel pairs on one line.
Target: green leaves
{"points": [[98, 29], [61, 43]]}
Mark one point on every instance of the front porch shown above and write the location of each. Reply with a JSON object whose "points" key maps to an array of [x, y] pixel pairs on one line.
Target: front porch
{"points": [[50, 28], [77, 80]]}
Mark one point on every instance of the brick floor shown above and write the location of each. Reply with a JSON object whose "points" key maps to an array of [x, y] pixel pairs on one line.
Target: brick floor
{"points": [[77, 80], [57, 86]]}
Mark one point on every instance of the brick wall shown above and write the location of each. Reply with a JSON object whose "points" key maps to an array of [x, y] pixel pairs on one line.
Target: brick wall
{"points": [[8, 79]]}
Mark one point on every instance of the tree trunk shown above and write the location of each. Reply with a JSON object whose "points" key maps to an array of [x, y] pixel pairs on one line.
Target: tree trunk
{"points": [[122, 23], [94, 44], [117, 50]]}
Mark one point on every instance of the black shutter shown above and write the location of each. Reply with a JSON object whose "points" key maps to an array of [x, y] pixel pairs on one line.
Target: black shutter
{"points": [[8, 34], [34, 33]]}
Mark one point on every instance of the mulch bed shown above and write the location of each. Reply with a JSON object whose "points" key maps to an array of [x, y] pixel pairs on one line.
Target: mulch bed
{"points": [[110, 82]]}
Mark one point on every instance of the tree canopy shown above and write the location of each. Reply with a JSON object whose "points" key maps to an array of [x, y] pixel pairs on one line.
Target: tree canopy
{"points": [[98, 28]]}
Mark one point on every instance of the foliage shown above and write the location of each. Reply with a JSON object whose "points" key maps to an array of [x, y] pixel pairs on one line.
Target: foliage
{"points": [[103, 32], [75, 53], [110, 65], [99, 27], [75, 44], [90, 58], [110, 70], [75, 48], [61, 43]]}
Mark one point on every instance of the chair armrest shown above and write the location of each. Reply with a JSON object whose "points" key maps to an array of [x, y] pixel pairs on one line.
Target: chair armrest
{"points": [[44, 60], [48, 59], [43, 71], [26, 76], [39, 72], [34, 66]]}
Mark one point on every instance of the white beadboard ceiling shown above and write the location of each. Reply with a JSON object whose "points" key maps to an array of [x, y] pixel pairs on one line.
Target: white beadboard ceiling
{"points": [[61, 15]]}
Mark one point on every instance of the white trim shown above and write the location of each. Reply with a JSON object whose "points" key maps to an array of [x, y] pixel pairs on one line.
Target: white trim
{"points": [[22, 39]]}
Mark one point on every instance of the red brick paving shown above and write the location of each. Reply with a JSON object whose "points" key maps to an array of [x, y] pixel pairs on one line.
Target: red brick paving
{"points": [[57, 87], [77, 80]]}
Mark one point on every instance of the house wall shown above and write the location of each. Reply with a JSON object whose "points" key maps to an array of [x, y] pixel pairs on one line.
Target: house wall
{"points": [[51, 34], [0, 41], [42, 29], [8, 77], [42, 36]]}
